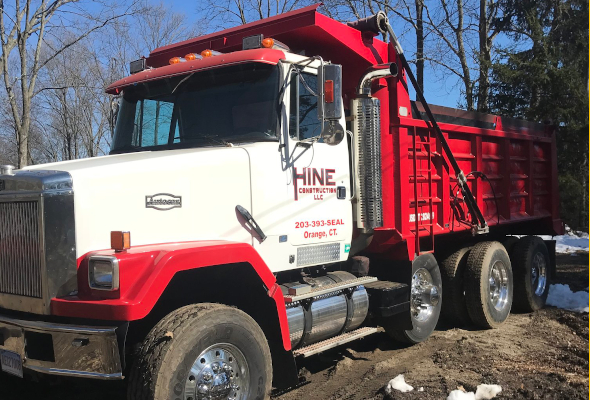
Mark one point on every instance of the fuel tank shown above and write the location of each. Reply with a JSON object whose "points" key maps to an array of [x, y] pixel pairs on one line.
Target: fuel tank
{"points": [[322, 317]]}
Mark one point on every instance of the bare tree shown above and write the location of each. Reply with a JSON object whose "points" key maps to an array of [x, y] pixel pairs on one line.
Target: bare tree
{"points": [[76, 110], [403, 10], [226, 13], [77, 123], [450, 34], [488, 30], [28, 26], [158, 25]]}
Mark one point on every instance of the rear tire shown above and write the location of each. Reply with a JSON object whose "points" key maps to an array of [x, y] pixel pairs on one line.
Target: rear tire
{"points": [[210, 349], [425, 302], [508, 243], [454, 306], [531, 265], [488, 284]]}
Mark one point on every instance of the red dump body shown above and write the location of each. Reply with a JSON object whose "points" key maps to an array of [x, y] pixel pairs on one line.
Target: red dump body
{"points": [[518, 158]]}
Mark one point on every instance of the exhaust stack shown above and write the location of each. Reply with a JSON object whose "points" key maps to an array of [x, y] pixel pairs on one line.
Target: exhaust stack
{"points": [[375, 72]]}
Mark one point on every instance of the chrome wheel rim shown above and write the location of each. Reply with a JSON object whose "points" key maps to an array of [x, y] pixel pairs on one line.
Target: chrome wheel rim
{"points": [[425, 295], [219, 373], [539, 274], [498, 285]]}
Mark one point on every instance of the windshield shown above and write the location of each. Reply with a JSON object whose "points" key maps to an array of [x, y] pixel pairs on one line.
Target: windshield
{"points": [[213, 107]]}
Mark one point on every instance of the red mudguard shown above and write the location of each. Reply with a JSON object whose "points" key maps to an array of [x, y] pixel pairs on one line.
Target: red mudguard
{"points": [[145, 271]]}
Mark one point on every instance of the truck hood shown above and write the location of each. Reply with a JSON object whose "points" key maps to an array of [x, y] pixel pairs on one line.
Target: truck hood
{"points": [[160, 197]]}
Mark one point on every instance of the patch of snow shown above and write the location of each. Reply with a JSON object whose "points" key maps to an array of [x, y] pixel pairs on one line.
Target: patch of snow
{"points": [[461, 395], [486, 392], [571, 242], [561, 296], [420, 389], [483, 392], [398, 383]]}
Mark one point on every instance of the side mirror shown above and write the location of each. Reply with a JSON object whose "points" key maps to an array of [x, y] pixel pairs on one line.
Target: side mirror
{"points": [[330, 103]]}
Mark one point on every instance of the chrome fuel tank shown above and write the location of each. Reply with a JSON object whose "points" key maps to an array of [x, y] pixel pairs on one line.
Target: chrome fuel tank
{"points": [[322, 317]]}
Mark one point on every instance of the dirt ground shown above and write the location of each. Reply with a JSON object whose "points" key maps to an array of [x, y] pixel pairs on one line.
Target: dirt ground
{"points": [[543, 355]]}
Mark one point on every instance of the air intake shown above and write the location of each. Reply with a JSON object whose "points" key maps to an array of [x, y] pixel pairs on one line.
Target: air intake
{"points": [[367, 138]]}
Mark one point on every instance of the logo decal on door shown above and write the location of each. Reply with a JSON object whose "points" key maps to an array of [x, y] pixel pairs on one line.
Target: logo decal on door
{"points": [[315, 182]]}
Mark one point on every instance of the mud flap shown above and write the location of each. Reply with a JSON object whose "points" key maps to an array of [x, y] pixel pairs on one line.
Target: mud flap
{"points": [[286, 376]]}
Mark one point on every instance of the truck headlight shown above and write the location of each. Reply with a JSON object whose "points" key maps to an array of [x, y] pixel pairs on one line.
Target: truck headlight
{"points": [[103, 273]]}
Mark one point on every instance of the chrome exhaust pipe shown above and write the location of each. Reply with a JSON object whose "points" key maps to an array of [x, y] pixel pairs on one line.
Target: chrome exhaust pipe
{"points": [[6, 170], [375, 24], [375, 72]]}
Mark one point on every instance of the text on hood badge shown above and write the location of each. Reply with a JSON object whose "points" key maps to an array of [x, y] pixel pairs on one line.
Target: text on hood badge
{"points": [[163, 201]]}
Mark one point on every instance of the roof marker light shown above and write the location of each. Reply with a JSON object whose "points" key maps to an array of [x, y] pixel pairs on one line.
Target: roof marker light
{"points": [[192, 57], [206, 53], [175, 60], [268, 43], [260, 42]]}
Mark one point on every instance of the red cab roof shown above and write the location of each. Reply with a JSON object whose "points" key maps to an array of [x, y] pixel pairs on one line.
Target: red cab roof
{"points": [[266, 56]]}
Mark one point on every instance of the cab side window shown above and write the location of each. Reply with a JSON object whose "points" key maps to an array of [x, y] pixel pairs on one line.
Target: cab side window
{"points": [[303, 115]]}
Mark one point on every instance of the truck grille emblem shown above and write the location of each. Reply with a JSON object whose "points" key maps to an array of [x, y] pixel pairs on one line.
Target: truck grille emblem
{"points": [[163, 201]]}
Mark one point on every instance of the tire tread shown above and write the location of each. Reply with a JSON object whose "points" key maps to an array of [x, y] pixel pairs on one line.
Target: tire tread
{"points": [[454, 307], [154, 348], [521, 260], [473, 284], [150, 357], [476, 288]]}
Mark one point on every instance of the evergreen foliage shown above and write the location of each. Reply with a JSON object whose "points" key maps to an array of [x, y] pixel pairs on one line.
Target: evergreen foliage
{"points": [[543, 77]]}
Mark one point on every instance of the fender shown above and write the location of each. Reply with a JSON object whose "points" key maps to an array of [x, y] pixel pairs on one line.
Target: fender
{"points": [[145, 271]]}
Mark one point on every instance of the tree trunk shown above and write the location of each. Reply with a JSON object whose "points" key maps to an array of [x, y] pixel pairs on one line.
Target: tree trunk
{"points": [[23, 132], [463, 57], [23, 143], [485, 59], [420, 44]]}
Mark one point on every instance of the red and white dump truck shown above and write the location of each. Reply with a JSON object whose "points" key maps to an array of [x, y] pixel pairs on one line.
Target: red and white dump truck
{"points": [[271, 192]]}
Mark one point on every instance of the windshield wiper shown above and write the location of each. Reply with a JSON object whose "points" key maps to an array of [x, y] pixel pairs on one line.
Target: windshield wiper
{"points": [[212, 139], [186, 78]]}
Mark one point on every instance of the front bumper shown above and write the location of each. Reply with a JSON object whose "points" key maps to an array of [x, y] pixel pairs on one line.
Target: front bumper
{"points": [[59, 349]]}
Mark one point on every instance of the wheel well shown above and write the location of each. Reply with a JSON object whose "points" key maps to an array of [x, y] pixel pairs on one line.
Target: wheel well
{"points": [[236, 285]]}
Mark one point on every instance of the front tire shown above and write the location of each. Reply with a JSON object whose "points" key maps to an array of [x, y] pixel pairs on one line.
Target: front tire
{"points": [[203, 350], [488, 284], [425, 302]]}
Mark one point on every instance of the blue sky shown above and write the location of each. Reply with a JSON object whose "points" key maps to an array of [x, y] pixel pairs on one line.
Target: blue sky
{"points": [[440, 88]]}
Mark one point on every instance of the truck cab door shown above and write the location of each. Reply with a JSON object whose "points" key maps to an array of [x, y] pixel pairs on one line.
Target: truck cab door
{"points": [[301, 195]]}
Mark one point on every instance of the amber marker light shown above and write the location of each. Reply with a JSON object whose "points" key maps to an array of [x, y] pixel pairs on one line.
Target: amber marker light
{"points": [[268, 43], [329, 92], [174, 60], [206, 53], [190, 57], [120, 241]]}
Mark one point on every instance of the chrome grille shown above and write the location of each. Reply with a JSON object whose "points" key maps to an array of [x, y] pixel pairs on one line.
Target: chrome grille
{"points": [[20, 249]]}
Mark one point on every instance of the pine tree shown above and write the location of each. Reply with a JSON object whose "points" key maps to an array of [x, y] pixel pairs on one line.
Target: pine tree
{"points": [[544, 78]]}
